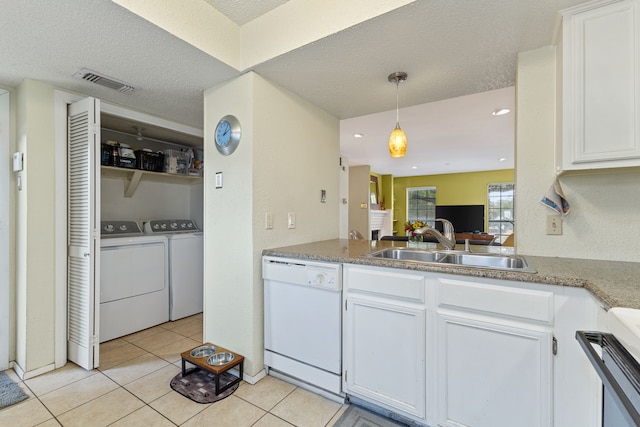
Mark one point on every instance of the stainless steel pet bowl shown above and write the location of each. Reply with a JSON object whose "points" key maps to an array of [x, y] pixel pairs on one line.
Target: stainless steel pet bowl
{"points": [[219, 359], [203, 351]]}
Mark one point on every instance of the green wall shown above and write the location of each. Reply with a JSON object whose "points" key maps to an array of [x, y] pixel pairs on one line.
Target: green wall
{"points": [[451, 189]]}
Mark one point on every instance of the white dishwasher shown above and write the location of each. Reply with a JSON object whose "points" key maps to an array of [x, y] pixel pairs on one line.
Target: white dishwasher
{"points": [[303, 322]]}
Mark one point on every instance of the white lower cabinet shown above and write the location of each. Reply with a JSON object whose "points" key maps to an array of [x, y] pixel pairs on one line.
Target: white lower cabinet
{"points": [[490, 374], [386, 358], [494, 354], [459, 351], [384, 340]]}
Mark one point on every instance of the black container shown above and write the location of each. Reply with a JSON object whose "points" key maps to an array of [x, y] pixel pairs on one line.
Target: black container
{"points": [[105, 155], [150, 161], [126, 162]]}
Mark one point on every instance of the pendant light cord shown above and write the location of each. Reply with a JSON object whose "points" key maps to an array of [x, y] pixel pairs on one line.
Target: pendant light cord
{"points": [[397, 105]]}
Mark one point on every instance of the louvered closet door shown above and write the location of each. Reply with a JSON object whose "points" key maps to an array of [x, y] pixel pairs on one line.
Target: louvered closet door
{"points": [[83, 233]]}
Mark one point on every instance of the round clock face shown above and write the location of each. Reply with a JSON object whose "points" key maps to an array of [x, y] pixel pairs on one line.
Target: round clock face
{"points": [[227, 135], [223, 133]]}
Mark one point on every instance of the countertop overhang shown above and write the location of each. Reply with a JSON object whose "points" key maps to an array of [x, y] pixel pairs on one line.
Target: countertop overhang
{"points": [[614, 283]]}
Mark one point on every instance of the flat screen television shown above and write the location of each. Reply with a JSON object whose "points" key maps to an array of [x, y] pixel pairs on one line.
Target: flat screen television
{"points": [[465, 218]]}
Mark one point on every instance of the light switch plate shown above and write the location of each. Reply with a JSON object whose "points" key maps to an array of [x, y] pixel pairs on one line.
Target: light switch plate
{"points": [[218, 179], [268, 220], [291, 220]]}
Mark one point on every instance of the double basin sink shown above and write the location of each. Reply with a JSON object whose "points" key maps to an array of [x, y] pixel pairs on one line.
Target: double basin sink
{"points": [[461, 258]]}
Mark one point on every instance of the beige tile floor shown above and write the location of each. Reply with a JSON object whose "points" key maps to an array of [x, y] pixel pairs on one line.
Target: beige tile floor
{"points": [[131, 388]]}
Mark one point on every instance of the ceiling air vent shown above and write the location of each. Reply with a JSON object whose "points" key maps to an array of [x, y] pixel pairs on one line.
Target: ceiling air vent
{"points": [[101, 80]]}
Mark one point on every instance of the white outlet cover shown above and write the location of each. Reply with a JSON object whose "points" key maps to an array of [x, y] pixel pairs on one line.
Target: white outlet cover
{"points": [[554, 225]]}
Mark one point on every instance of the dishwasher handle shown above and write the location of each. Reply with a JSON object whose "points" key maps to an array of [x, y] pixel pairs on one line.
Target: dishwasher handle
{"points": [[625, 361]]}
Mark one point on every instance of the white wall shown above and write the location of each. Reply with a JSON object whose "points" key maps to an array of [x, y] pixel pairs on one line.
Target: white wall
{"points": [[604, 221], [289, 151], [35, 223], [152, 200]]}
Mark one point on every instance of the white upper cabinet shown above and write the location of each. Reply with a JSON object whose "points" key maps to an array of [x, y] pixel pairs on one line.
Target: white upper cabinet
{"points": [[600, 86]]}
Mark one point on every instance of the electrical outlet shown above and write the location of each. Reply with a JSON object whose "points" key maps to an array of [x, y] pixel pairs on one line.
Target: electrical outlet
{"points": [[554, 225]]}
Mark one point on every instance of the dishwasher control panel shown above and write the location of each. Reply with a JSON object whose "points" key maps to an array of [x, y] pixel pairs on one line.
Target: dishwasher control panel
{"points": [[323, 278], [302, 272]]}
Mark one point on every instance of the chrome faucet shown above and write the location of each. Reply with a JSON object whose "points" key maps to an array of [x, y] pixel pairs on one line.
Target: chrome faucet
{"points": [[447, 238]]}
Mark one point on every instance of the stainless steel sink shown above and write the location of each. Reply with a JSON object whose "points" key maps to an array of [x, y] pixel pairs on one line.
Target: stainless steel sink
{"points": [[466, 259], [501, 262], [408, 254]]}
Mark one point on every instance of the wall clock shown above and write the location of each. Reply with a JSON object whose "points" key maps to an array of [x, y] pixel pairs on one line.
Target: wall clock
{"points": [[227, 135]]}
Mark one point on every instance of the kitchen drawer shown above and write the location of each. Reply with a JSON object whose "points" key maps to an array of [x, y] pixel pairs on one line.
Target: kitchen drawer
{"points": [[385, 282], [536, 305]]}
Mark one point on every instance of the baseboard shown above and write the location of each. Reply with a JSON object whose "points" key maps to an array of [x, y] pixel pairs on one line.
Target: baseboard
{"points": [[254, 379], [31, 374]]}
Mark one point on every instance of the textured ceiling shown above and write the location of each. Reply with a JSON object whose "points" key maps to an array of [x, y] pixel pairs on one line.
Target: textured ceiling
{"points": [[242, 12], [449, 48]]}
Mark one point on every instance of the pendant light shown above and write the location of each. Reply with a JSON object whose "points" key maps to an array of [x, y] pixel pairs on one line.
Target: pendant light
{"points": [[397, 140]]}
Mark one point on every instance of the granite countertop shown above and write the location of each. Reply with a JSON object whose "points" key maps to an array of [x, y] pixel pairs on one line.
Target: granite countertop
{"points": [[614, 283]]}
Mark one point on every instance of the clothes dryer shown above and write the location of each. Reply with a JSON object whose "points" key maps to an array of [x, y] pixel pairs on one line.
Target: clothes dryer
{"points": [[186, 265]]}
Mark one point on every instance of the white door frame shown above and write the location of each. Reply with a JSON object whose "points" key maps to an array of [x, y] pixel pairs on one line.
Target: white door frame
{"points": [[5, 235]]}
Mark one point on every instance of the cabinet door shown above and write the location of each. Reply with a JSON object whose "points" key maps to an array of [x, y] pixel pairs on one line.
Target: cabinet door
{"points": [[601, 86], [492, 374], [385, 354]]}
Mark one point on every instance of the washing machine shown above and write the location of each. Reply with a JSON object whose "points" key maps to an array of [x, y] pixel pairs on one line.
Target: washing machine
{"points": [[134, 279], [185, 264]]}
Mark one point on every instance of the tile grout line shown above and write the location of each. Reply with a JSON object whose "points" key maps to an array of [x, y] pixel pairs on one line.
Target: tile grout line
{"points": [[41, 402]]}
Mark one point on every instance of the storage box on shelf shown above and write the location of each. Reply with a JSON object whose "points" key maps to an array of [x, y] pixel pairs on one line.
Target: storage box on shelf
{"points": [[176, 161], [150, 161], [118, 155]]}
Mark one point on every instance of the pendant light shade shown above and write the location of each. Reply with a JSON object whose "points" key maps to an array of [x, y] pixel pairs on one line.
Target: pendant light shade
{"points": [[397, 140]]}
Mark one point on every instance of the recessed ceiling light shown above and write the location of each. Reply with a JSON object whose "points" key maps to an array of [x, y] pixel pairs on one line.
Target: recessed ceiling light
{"points": [[501, 111], [502, 159], [414, 167], [358, 135]]}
